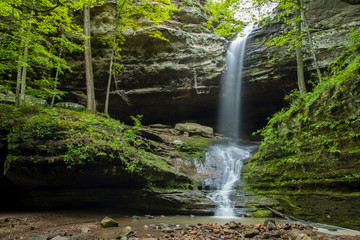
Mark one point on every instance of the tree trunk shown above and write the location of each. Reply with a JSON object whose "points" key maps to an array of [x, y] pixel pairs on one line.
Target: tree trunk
{"points": [[299, 54], [18, 86], [312, 46], [24, 67], [56, 79], [106, 110], [90, 90]]}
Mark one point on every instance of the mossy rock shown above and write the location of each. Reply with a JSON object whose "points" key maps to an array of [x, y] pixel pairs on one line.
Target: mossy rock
{"points": [[108, 222], [263, 214]]}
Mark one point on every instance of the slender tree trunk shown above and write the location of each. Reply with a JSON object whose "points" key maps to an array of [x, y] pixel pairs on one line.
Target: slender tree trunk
{"points": [[312, 46], [24, 68], [299, 54], [56, 80], [90, 90], [106, 110], [18, 86], [1, 38]]}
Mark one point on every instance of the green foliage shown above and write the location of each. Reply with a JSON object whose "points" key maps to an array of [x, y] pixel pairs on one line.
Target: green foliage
{"points": [[84, 137], [223, 19], [134, 15], [40, 27], [318, 134], [193, 149]]}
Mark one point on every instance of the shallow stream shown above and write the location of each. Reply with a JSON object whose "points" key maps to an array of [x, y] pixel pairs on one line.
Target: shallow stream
{"points": [[16, 224]]}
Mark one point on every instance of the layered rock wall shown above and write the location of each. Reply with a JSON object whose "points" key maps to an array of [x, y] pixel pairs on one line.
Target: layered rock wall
{"points": [[176, 80]]}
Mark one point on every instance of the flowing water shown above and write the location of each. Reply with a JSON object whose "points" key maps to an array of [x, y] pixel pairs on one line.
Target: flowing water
{"points": [[224, 161], [230, 104]]}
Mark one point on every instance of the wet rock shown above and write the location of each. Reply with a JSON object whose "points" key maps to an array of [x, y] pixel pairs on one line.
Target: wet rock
{"points": [[298, 235], [250, 232], [270, 235], [35, 238], [85, 230], [60, 238], [108, 222], [194, 128], [126, 231], [167, 230], [135, 217], [52, 235], [270, 224]]}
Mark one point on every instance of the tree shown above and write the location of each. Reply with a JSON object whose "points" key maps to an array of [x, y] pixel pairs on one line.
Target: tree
{"points": [[90, 90], [126, 16], [28, 29], [294, 13], [299, 54]]}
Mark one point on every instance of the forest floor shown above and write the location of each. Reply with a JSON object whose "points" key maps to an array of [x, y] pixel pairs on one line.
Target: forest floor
{"points": [[79, 225]]}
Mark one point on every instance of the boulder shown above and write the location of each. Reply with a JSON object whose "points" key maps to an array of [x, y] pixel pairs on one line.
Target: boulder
{"points": [[108, 222], [70, 105], [126, 231], [250, 232], [194, 128]]}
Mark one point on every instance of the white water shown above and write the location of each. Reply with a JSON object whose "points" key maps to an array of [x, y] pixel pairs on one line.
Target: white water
{"points": [[230, 104], [224, 161]]}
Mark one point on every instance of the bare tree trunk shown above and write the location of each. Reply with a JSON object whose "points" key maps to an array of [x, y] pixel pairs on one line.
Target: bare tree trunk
{"points": [[24, 68], [56, 79], [18, 85], [299, 54], [106, 110], [312, 47], [90, 90], [1, 38]]}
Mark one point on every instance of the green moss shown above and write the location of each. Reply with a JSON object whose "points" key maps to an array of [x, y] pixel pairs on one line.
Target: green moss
{"points": [[193, 149], [263, 214]]}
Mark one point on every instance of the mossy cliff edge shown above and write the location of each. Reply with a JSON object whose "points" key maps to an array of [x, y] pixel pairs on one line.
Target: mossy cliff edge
{"points": [[309, 159], [56, 157]]}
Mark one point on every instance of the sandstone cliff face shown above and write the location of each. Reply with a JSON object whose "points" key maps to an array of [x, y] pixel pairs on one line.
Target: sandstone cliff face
{"points": [[166, 81], [172, 81], [270, 72]]}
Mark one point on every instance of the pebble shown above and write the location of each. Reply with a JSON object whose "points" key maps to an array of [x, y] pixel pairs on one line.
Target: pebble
{"points": [[108, 222]]}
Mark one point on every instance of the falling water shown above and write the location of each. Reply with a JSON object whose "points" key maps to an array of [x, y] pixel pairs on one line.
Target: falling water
{"points": [[229, 110], [224, 161]]}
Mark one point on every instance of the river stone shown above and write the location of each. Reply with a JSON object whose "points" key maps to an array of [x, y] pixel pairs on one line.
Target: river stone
{"points": [[194, 128], [108, 222], [124, 232], [70, 105], [270, 224], [35, 237], [298, 235], [59, 238], [167, 230], [250, 232]]}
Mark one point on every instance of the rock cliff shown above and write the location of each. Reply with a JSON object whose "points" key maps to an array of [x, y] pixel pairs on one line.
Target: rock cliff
{"points": [[177, 80], [270, 71], [53, 158], [166, 81]]}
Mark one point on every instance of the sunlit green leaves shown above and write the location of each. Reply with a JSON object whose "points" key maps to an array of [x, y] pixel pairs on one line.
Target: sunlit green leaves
{"points": [[223, 19]]}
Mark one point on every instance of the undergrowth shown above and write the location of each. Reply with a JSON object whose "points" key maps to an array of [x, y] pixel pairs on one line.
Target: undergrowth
{"points": [[86, 137], [318, 132]]}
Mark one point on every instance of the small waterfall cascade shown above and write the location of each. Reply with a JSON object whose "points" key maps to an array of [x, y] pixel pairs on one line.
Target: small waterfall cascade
{"points": [[223, 162]]}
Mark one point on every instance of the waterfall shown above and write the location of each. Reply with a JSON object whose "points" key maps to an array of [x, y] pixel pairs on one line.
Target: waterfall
{"points": [[224, 161], [230, 104]]}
